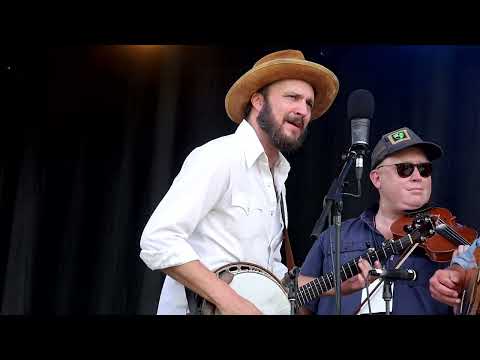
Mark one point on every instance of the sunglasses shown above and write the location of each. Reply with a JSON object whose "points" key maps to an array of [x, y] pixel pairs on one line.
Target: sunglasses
{"points": [[405, 170]]}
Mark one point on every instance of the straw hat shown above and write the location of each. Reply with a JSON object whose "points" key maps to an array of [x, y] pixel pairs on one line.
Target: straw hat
{"points": [[281, 65]]}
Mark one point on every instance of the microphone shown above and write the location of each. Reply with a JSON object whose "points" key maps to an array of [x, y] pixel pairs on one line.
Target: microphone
{"points": [[399, 274], [360, 109]]}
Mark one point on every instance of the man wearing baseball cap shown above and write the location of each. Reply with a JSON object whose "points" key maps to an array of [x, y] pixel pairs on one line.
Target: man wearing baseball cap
{"points": [[227, 204], [401, 164]]}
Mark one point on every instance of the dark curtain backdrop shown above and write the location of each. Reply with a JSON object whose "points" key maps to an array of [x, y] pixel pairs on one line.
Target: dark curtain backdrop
{"points": [[77, 187]]}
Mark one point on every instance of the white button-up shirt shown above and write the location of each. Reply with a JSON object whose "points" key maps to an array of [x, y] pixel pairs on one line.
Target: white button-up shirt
{"points": [[221, 208]]}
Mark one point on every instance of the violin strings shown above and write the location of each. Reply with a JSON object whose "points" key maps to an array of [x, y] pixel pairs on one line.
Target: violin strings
{"points": [[453, 234], [461, 240]]}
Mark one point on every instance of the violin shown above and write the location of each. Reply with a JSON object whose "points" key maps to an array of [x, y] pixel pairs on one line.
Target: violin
{"points": [[448, 233]]}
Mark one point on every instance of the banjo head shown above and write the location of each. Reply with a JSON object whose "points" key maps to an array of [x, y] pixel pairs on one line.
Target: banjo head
{"points": [[257, 285]]}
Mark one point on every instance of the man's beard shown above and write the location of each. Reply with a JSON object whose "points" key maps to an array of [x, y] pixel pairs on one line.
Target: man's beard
{"points": [[282, 142]]}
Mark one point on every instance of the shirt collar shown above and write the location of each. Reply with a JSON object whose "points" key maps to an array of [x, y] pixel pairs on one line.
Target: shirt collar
{"points": [[253, 148], [368, 215]]}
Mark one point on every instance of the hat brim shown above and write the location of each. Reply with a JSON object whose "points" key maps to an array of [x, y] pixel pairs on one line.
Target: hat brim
{"points": [[432, 150], [323, 81]]}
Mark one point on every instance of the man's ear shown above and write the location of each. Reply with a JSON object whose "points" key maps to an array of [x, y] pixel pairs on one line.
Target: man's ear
{"points": [[257, 101], [375, 178]]}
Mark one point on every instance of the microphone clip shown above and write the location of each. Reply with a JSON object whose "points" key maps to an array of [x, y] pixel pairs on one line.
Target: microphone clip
{"points": [[391, 275], [357, 158]]}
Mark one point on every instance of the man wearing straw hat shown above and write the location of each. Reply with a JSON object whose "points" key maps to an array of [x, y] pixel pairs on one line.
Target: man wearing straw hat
{"points": [[226, 204]]}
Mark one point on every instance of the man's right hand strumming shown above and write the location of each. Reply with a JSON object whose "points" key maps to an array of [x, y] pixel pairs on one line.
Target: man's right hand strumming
{"points": [[205, 283], [237, 306], [446, 285]]}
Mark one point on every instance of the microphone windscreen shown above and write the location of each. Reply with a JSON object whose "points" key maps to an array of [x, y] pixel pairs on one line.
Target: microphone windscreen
{"points": [[360, 105]]}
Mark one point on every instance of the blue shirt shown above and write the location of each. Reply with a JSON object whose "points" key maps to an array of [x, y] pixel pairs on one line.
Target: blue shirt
{"points": [[357, 235], [467, 259]]}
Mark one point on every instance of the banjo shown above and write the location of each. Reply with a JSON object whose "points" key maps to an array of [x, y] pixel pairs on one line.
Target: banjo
{"points": [[270, 295], [470, 301]]}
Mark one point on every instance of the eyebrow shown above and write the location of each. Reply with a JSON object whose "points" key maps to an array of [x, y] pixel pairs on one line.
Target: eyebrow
{"points": [[309, 100]]}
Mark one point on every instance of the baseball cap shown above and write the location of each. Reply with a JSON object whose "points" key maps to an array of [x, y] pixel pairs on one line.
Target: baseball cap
{"points": [[401, 139]]}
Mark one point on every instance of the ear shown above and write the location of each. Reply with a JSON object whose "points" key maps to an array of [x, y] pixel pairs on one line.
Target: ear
{"points": [[257, 101], [375, 178]]}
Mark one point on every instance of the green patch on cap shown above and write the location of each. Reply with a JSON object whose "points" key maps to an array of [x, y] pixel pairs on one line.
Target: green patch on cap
{"points": [[398, 136]]}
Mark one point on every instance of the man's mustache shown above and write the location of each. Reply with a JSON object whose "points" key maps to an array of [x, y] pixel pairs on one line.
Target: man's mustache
{"points": [[296, 120]]}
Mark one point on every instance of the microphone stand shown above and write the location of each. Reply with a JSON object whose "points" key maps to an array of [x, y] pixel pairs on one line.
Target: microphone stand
{"points": [[292, 286], [333, 200], [387, 294]]}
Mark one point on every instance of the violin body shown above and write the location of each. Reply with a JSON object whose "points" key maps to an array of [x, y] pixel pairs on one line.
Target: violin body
{"points": [[449, 235]]}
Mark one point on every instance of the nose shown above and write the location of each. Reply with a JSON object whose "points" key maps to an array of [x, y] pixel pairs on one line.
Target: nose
{"points": [[416, 175], [303, 109]]}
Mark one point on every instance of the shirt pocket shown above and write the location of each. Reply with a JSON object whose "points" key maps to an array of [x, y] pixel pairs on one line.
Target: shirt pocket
{"points": [[250, 205], [348, 252], [248, 215]]}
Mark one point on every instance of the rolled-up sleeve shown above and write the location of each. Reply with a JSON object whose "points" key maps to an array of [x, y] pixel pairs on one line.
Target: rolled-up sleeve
{"points": [[194, 192], [467, 259], [278, 268]]}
